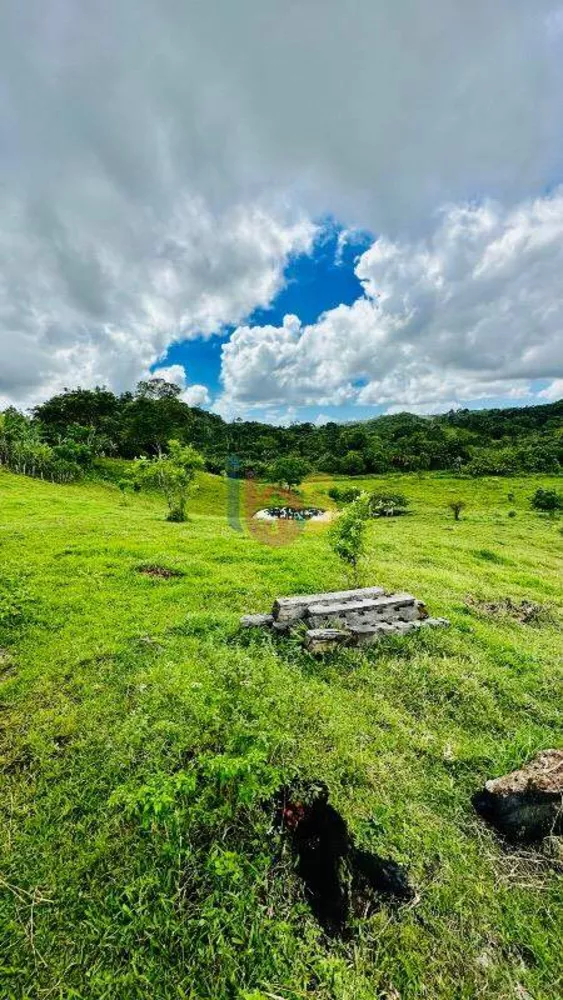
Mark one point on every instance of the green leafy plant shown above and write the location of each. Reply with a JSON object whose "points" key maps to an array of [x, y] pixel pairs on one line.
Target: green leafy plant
{"points": [[157, 801], [173, 475], [456, 506], [347, 534], [549, 501], [343, 495]]}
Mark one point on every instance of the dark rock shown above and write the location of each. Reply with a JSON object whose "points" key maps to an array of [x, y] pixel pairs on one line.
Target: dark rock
{"points": [[527, 804]]}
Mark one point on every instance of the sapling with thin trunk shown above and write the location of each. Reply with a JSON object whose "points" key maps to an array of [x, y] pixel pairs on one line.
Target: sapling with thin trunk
{"points": [[347, 534], [457, 506]]}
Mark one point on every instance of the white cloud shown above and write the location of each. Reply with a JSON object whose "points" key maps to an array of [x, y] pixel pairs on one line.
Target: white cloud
{"points": [[196, 395], [553, 391], [170, 373], [160, 160], [79, 306], [475, 310], [193, 395]]}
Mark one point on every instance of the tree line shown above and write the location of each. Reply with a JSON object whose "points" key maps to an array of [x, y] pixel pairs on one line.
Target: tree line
{"points": [[63, 437]]}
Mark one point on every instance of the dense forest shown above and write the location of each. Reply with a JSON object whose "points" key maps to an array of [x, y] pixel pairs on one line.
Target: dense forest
{"points": [[65, 436]]}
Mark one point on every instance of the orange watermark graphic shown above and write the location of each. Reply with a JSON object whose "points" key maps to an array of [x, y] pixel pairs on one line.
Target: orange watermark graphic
{"points": [[248, 501]]}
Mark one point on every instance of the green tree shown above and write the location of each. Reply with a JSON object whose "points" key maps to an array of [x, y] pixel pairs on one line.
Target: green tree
{"points": [[157, 388], [353, 463], [289, 471], [173, 475], [347, 534]]}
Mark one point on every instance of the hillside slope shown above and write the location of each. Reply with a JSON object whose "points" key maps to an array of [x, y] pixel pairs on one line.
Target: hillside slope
{"points": [[142, 734]]}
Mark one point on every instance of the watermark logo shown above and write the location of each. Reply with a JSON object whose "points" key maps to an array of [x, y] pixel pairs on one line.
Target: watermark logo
{"points": [[250, 505]]}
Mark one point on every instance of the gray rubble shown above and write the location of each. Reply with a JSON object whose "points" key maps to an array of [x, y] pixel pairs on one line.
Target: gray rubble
{"points": [[257, 621], [358, 617], [292, 608]]}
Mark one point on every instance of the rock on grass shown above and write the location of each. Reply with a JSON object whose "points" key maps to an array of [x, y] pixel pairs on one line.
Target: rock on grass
{"points": [[527, 804]]}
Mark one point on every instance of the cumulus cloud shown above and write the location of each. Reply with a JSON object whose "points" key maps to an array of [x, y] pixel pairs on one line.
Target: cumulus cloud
{"points": [[80, 307], [474, 310], [170, 373], [196, 395], [161, 159], [193, 395]]}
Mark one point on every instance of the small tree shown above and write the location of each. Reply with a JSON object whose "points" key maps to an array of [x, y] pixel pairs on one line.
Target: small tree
{"points": [[547, 500], [457, 506], [173, 475], [288, 472], [347, 534]]}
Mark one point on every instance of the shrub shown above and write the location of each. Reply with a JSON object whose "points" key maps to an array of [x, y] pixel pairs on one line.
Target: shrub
{"points": [[387, 504], [347, 534], [493, 462], [511, 513], [456, 506], [547, 500], [344, 495]]}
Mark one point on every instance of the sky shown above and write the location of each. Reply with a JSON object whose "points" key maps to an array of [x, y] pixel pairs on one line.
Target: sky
{"points": [[303, 211]]}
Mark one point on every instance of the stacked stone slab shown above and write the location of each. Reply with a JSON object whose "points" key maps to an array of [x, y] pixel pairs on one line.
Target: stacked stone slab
{"points": [[347, 617]]}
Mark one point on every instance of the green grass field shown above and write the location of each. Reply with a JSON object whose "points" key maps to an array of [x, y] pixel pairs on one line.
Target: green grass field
{"points": [[141, 732]]}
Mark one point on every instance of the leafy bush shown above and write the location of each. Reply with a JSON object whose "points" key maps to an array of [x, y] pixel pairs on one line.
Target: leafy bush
{"points": [[172, 475], [547, 500], [493, 462], [15, 605], [343, 495], [352, 463], [387, 504], [347, 534], [456, 506]]}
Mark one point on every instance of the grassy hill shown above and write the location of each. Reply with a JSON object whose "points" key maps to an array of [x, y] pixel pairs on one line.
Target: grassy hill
{"points": [[141, 734]]}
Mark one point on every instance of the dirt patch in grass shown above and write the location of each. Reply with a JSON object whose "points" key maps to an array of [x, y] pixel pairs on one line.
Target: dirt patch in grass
{"points": [[525, 612], [159, 572], [340, 879]]}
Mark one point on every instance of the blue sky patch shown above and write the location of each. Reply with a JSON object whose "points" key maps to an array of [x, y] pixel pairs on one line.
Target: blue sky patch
{"points": [[313, 283]]}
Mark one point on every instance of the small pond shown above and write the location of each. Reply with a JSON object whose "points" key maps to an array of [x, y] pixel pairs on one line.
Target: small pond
{"points": [[293, 514]]}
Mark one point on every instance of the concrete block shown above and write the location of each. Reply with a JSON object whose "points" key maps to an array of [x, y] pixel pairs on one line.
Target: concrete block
{"points": [[293, 608]]}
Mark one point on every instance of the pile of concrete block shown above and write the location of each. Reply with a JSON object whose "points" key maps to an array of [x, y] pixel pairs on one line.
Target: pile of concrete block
{"points": [[346, 617]]}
